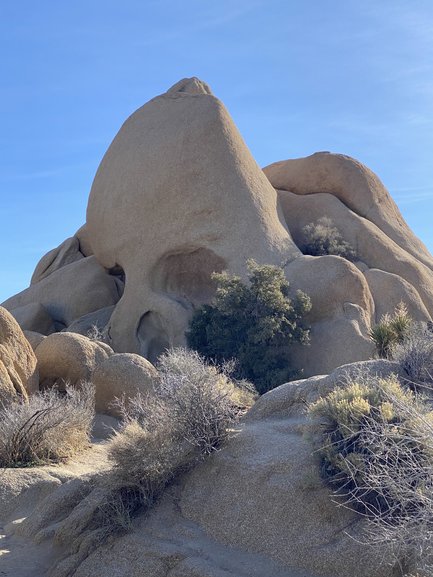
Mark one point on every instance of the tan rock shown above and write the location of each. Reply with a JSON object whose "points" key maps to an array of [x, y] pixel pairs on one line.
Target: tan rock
{"points": [[179, 154], [82, 235], [341, 314], [34, 317], [18, 372], [91, 323], [34, 338], [64, 254], [356, 186], [388, 290], [269, 497], [256, 508], [124, 374], [71, 292], [69, 358], [373, 247]]}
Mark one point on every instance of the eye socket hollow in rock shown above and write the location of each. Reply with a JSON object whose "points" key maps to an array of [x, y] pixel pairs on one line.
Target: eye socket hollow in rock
{"points": [[185, 275]]}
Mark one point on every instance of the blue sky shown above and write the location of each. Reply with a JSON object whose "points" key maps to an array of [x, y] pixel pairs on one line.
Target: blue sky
{"points": [[297, 76]]}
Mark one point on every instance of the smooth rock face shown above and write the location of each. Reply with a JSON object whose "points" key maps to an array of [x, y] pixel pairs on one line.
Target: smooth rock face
{"points": [[388, 290], [178, 196], [395, 265], [34, 338], [263, 492], [373, 247], [64, 254], [122, 374], [94, 321], [34, 317], [356, 186], [69, 358], [18, 372], [71, 291], [82, 235]]}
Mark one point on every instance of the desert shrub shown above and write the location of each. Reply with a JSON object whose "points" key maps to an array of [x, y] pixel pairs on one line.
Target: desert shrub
{"points": [[49, 427], [376, 449], [391, 330], [188, 416], [415, 354], [322, 238], [254, 323], [97, 334]]}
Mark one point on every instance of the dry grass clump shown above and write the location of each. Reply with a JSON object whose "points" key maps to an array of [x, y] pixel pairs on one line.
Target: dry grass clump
{"points": [[415, 354], [49, 427], [376, 450], [189, 415]]}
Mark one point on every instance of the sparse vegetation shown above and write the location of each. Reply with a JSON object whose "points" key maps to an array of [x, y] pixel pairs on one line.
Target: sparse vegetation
{"points": [[97, 334], [415, 354], [322, 238], [49, 427], [254, 323], [391, 330], [188, 416], [376, 449]]}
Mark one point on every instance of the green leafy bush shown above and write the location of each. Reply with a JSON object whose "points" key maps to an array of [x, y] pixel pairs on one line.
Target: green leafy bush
{"points": [[254, 323], [322, 238], [376, 449], [391, 330]]}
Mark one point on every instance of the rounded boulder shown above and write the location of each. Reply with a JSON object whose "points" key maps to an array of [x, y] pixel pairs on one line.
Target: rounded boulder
{"points": [[18, 372], [123, 374], [69, 358]]}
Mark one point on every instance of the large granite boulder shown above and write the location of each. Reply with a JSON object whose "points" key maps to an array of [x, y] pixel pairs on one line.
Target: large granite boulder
{"points": [[69, 358], [34, 317], [71, 291], [176, 197], [18, 372], [121, 376]]}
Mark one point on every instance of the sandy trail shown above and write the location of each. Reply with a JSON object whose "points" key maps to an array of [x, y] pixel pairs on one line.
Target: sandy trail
{"points": [[21, 558]]}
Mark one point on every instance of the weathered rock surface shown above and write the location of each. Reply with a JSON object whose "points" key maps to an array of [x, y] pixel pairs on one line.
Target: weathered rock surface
{"points": [[34, 317], [69, 358], [179, 154], [34, 338], [121, 374], [373, 247], [71, 291], [64, 254], [18, 372], [83, 238], [356, 186], [254, 509], [94, 322]]}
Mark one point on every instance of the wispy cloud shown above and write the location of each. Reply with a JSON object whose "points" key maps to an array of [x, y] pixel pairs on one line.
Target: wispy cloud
{"points": [[412, 195]]}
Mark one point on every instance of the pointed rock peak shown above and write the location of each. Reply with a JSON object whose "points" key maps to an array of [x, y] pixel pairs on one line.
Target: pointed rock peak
{"points": [[189, 86]]}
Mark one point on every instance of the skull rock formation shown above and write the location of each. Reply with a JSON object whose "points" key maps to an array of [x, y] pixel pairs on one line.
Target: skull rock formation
{"points": [[176, 197]]}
